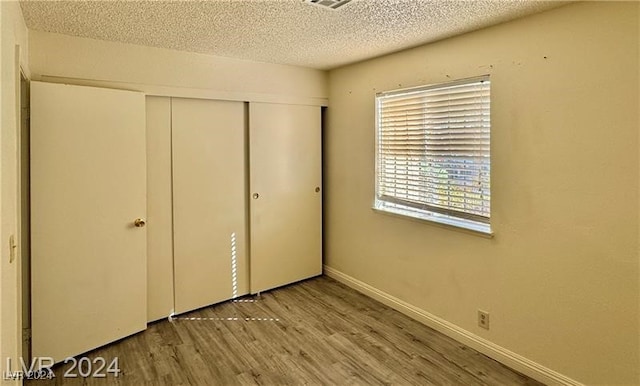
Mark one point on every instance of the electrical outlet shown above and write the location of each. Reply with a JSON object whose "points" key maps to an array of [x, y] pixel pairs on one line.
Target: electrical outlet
{"points": [[483, 319]]}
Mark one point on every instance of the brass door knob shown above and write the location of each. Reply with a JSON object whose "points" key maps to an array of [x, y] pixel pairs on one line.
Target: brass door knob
{"points": [[139, 223], [255, 196]]}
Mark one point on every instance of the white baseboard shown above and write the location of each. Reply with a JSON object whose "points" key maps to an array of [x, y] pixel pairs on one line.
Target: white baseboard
{"points": [[502, 355]]}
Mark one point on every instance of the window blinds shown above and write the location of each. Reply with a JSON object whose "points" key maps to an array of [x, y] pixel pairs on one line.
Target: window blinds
{"points": [[433, 150]]}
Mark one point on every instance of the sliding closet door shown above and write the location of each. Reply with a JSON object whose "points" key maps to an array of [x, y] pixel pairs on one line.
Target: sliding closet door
{"points": [[285, 174], [159, 214], [88, 205], [209, 202]]}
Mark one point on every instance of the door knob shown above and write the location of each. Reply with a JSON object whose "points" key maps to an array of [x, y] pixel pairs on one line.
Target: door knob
{"points": [[255, 196], [139, 223]]}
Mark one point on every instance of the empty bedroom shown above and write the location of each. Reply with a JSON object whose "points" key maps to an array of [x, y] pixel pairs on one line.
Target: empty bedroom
{"points": [[330, 192]]}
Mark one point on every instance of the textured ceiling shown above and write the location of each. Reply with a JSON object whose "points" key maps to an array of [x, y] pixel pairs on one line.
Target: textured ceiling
{"points": [[277, 31]]}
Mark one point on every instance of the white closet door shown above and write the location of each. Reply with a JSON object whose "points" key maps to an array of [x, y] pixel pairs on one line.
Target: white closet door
{"points": [[286, 203], [209, 202], [88, 186], [160, 226]]}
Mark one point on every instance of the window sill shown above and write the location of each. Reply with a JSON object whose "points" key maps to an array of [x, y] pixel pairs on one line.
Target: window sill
{"points": [[466, 226]]}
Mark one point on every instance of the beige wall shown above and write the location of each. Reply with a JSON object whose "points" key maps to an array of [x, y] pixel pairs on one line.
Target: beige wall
{"points": [[13, 32], [561, 277], [164, 72]]}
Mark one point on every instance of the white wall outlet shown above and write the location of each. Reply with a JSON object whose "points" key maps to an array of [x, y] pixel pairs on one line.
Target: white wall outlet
{"points": [[483, 319]]}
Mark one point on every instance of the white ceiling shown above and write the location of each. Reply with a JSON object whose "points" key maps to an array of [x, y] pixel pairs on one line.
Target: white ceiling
{"points": [[277, 31]]}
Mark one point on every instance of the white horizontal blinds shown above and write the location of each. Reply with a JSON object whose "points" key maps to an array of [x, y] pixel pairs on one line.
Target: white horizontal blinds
{"points": [[433, 149]]}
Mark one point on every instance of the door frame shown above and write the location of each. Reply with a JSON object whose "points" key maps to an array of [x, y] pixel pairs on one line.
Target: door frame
{"points": [[24, 214]]}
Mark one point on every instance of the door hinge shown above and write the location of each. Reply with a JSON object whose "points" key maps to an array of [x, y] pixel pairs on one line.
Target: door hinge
{"points": [[26, 334]]}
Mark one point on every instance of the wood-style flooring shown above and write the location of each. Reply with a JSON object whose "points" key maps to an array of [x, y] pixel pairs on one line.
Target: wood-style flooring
{"points": [[314, 332]]}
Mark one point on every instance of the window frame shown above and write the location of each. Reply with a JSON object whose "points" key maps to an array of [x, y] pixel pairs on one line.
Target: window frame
{"points": [[444, 216]]}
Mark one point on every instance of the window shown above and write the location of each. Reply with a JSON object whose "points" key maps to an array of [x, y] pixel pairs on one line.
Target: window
{"points": [[433, 153]]}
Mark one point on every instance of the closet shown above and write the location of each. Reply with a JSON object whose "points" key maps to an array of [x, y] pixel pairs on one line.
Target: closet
{"points": [[209, 214], [286, 204], [246, 182], [145, 207]]}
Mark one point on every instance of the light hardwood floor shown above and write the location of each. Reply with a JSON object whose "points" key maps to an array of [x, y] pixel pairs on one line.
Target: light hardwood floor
{"points": [[314, 332]]}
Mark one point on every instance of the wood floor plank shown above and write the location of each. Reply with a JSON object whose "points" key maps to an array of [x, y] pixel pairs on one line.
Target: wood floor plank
{"points": [[317, 332]]}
